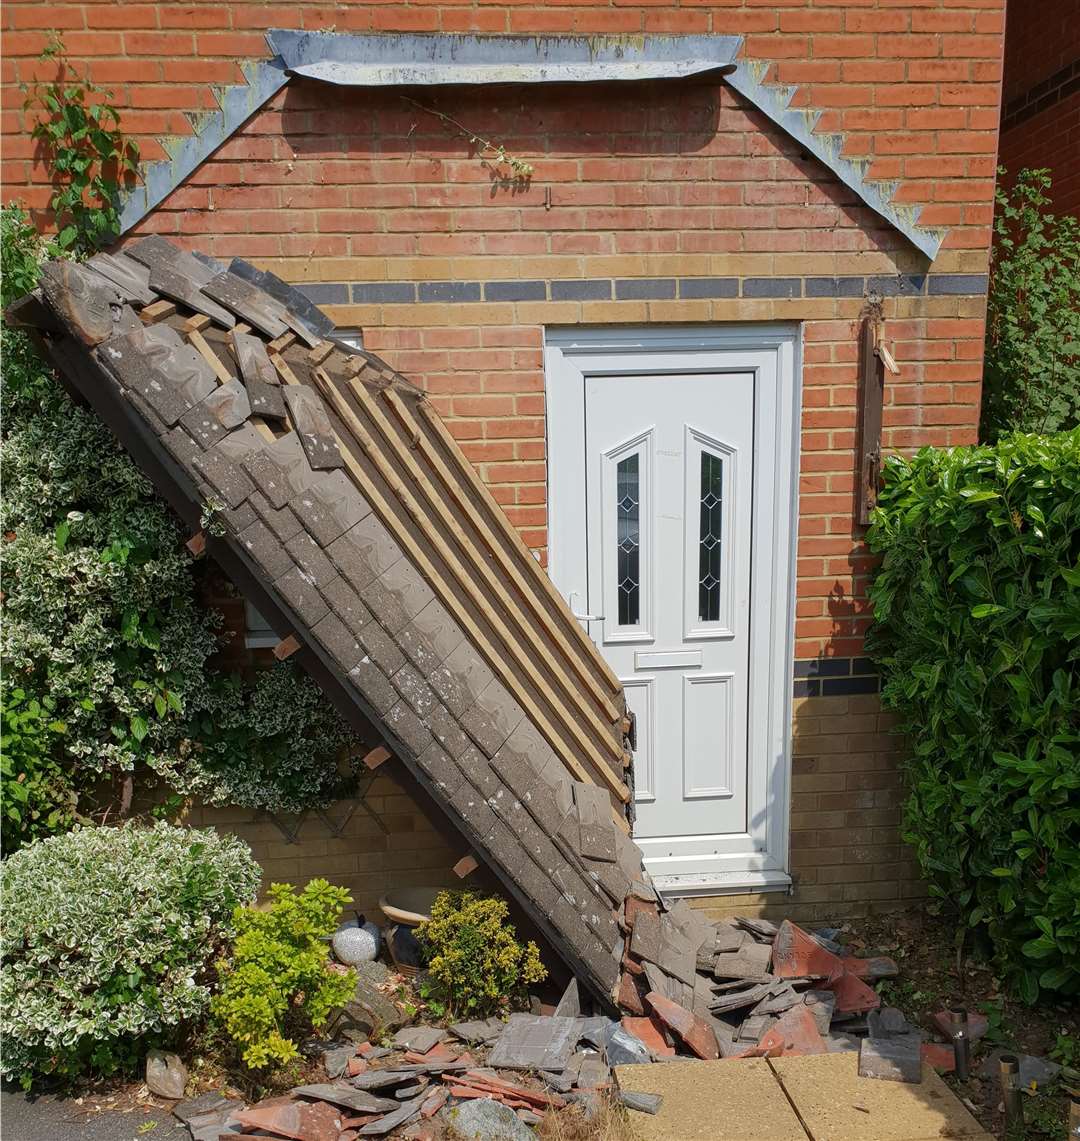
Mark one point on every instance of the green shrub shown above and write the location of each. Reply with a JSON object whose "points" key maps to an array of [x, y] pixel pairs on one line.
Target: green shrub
{"points": [[101, 612], [108, 941], [277, 981], [475, 963], [38, 799], [977, 631], [268, 742], [1031, 376]]}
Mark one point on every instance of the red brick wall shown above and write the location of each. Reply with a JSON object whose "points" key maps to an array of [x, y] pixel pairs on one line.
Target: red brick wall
{"points": [[912, 82], [1040, 112]]}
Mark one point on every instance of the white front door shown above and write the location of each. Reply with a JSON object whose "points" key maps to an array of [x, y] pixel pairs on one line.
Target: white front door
{"points": [[670, 468]]}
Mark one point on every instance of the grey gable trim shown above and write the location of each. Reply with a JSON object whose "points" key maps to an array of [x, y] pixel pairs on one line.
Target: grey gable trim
{"points": [[416, 59], [774, 101], [236, 104]]}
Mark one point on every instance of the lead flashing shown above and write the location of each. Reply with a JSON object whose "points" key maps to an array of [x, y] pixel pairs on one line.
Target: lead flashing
{"points": [[407, 60]]}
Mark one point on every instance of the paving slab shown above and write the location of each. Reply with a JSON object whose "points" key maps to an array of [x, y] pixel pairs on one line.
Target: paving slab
{"points": [[736, 1100], [836, 1104]]}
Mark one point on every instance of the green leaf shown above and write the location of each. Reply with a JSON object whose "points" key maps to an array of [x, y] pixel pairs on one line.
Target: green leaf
{"points": [[139, 728]]}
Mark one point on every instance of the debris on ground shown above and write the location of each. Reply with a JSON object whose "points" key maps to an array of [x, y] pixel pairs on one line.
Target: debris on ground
{"points": [[691, 993]]}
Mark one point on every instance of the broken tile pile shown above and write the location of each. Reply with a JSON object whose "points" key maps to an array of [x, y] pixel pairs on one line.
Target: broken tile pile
{"points": [[742, 987], [374, 1090]]}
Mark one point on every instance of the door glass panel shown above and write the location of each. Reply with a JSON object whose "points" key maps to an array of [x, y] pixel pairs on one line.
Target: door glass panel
{"points": [[628, 516], [709, 545]]}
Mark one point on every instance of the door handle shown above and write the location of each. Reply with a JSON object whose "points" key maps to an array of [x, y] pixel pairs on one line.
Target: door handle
{"points": [[582, 617]]}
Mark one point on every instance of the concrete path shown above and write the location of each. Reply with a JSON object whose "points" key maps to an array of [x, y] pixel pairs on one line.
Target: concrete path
{"points": [[813, 1098]]}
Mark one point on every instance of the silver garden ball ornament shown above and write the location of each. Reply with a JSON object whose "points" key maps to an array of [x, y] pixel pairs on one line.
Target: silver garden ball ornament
{"points": [[356, 941]]}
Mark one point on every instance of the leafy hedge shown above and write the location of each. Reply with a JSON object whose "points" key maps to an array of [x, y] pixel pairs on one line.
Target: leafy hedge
{"points": [[107, 650], [108, 942], [977, 631]]}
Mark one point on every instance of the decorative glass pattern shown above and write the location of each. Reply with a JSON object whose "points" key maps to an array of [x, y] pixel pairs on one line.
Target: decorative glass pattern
{"points": [[710, 550], [628, 516]]}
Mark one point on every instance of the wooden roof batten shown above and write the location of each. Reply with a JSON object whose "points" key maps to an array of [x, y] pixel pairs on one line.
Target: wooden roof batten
{"points": [[352, 519]]}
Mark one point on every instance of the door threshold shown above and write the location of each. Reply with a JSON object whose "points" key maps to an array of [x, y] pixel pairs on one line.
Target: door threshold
{"points": [[723, 883]]}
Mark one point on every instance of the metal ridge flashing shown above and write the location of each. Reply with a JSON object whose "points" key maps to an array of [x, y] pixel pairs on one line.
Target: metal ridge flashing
{"points": [[407, 59]]}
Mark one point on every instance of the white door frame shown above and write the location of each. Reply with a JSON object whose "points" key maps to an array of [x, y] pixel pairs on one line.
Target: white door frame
{"points": [[567, 355]]}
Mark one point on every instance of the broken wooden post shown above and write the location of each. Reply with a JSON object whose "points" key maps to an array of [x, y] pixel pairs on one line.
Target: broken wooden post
{"points": [[286, 647], [197, 544], [466, 866], [157, 311], [377, 756]]}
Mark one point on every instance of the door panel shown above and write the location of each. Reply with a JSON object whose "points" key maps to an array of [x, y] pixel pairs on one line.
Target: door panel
{"points": [[668, 553]]}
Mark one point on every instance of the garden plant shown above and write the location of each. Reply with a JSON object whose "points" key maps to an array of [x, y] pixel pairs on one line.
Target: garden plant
{"points": [[476, 965], [276, 981], [108, 944]]}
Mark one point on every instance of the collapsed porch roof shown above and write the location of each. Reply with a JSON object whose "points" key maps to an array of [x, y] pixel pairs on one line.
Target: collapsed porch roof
{"points": [[347, 515]]}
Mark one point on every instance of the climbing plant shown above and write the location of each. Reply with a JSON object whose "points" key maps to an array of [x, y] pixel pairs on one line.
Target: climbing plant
{"points": [[88, 155], [1031, 378]]}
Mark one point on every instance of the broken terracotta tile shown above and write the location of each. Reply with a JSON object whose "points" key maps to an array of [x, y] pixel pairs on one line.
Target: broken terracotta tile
{"points": [[796, 954], [635, 906], [441, 1052], [629, 966], [878, 967], [296, 1120], [940, 1056], [650, 1032], [796, 1033], [481, 1079], [434, 1101], [853, 996], [694, 1032], [629, 997], [355, 1067]]}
